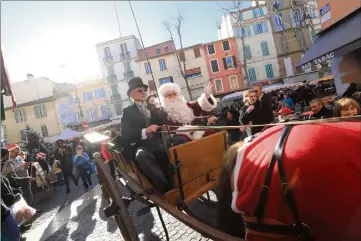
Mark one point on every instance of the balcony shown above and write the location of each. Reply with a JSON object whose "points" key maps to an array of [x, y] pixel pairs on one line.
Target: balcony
{"points": [[124, 56], [112, 78], [108, 59], [115, 98], [128, 74]]}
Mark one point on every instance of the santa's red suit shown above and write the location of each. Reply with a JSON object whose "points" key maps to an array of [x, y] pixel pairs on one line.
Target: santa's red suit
{"points": [[323, 165], [182, 113]]}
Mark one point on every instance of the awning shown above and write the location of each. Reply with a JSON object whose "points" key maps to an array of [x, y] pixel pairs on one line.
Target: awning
{"points": [[336, 40], [326, 78]]}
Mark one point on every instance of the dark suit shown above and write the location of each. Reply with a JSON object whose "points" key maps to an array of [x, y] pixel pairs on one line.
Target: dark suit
{"points": [[266, 104], [257, 116], [149, 154]]}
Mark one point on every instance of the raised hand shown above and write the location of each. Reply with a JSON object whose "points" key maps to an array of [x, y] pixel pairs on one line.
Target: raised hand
{"points": [[208, 90]]}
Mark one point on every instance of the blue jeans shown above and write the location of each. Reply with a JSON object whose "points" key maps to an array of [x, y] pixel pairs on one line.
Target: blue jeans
{"points": [[9, 229]]}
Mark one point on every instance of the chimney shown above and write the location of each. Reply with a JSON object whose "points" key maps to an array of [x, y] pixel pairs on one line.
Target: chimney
{"points": [[30, 77]]}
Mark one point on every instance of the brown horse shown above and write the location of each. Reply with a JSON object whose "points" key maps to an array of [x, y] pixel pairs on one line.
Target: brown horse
{"points": [[291, 183]]}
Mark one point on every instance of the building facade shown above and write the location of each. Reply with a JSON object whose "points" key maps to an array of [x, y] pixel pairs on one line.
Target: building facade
{"points": [[85, 104], [224, 66], [255, 41], [117, 60], [163, 63]]}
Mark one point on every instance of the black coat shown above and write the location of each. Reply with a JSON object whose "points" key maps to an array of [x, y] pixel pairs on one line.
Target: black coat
{"points": [[65, 158], [324, 113], [132, 124], [266, 104], [256, 116]]}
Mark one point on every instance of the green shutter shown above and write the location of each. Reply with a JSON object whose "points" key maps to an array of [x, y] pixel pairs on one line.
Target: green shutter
{"points": [[265, 26], [36, 110], [44, 110]]}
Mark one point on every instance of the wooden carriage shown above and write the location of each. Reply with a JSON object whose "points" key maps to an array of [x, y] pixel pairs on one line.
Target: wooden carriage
{"points": [[195, 165]]}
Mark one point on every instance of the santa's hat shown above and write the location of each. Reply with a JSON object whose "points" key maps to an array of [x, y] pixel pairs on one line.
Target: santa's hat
{"points": [[12, 147], [164, 89], [285, 111], [40, 155]]}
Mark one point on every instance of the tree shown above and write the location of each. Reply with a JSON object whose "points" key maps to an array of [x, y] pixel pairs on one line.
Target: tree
{"points": [[177, 27], [32, 140]]}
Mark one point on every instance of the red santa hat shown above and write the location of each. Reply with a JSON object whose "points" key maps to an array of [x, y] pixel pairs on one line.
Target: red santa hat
{"points": [[12, 147], [164, 89], [285, 111], [40, 155]]}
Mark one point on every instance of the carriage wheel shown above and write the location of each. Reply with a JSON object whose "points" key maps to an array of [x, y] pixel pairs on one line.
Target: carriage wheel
{"points": [[117, 207]]}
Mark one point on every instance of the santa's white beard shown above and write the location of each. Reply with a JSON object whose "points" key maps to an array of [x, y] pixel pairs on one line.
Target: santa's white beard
{"points": [[178, 110]]}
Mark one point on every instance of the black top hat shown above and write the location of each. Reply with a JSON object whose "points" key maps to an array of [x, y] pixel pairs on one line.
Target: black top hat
{"points": [[134, 83]]}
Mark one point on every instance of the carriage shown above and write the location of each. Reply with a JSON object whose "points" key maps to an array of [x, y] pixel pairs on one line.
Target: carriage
{"points": [[195, 167]]}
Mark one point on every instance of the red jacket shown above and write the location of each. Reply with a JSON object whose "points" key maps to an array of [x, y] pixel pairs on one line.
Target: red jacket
{"points": [[323, 161], [105, 152]]}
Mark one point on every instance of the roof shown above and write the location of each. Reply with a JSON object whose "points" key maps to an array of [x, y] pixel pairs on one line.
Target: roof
{"points": [[337, 40], [39, 101], [115, 40]]}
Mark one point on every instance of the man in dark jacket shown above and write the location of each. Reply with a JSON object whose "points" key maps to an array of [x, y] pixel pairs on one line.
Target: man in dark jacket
{"points": [[319, 109], [266, 104], [254, 113], [64, 155], [138, 126]]}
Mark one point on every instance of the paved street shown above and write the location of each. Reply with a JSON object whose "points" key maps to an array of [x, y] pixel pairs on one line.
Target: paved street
{"points": [[79, 217]]}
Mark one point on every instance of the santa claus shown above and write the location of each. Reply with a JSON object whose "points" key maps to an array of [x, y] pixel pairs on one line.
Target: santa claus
{"points": [[181, 112]]}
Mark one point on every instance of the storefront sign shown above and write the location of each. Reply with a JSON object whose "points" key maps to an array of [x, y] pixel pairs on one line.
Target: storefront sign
{"points": [[325, 9], [319, 60]]}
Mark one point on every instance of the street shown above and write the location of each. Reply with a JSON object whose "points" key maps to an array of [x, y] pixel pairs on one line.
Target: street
{"points": [[79, 216]]}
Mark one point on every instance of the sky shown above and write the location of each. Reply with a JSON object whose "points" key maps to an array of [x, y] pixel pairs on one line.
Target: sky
{"points": [[57, 39]]}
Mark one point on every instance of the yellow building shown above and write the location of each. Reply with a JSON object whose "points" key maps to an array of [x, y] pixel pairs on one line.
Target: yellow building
{"points": [[88, 98], [39, 114]]}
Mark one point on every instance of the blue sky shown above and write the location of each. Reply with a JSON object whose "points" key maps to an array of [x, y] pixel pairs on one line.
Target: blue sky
{"points": [[38, 37]]}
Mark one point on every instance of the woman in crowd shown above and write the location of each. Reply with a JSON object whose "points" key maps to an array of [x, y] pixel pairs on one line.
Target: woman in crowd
{"points": [[346, 107], [81, 161], [288, 101], [232, 119]]}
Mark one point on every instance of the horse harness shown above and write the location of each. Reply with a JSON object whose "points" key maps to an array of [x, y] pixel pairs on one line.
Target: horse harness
{"points": [[299, 229]]}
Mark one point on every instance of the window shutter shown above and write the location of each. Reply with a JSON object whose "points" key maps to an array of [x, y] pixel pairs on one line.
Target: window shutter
{"points": [[254, 12], [249, 31], [265, 26], [17, 116], [241, 16], [225, 63], [255, 30], [261, 12], [96, 93], [234, 61], [44, 110], [293, 21], [36, 110], [24, 114]]}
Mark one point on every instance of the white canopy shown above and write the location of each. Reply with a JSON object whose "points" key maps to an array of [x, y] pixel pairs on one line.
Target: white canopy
{"points": [[66, 134]]}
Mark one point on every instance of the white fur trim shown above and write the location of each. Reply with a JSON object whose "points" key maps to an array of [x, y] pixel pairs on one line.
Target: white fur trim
{"points": [[240, 157], [204, 103], [168, 87], [198, 135]]}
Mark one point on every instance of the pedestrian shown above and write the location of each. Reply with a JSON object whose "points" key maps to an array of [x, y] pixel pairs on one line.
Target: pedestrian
{"points": [[81, 161], [64, 155], [319, 110]]}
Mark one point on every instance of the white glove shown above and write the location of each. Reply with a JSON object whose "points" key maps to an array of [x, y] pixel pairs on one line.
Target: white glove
{"points": [[208, 90]]}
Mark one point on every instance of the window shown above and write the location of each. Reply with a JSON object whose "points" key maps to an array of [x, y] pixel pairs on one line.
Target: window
{"points": [[107, 54], [147, 68], [91, 114], [127, 66], [269, 71], [162, 65], [110, 70], [104, 110], [240, 16], [20, 115], [40, 111], [122, 49], [197, 52], [218, 84], [99, 93], [247, 52], [193, 73], [257, 12], [211, 49], [44, 131], [166, 80], [280, 24], [261, 27], [252, 74], [229, 62], [226, 46], [264, 47], [246, 31], [77, 116], [166, 49], [158, 51], [233, 82], [295, 18], [311, 12], [214, 65], [181, 56], [88, 96]]}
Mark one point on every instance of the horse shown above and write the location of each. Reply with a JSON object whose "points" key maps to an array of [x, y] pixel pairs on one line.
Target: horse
{"points": [[294, 182]]}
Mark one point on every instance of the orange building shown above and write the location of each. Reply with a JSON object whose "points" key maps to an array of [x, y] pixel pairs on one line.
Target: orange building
{"points": [[224, 66], [332, 11]]}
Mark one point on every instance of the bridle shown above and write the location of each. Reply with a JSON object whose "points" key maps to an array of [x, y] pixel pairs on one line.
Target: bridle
{"points": [[299, 229]]}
